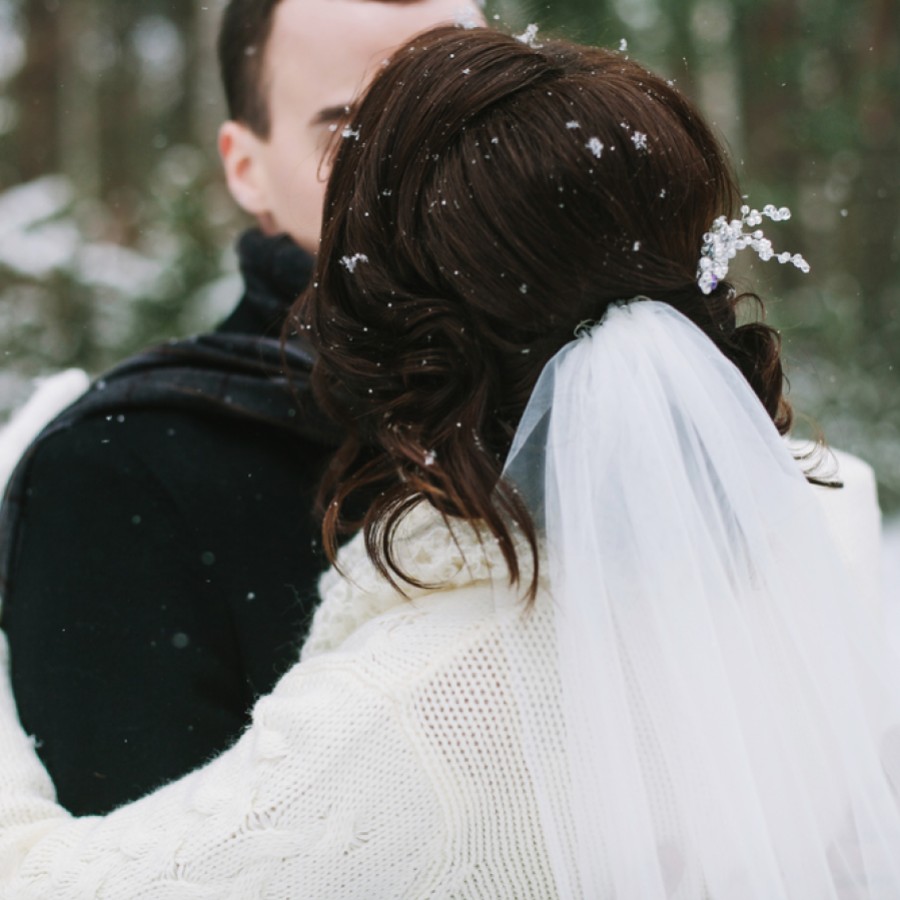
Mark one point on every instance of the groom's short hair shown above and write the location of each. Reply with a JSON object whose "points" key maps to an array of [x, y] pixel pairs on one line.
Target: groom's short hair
{"points": [[243, 37]]}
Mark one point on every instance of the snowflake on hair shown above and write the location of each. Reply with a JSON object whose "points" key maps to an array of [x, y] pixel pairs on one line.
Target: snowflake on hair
{"points": [[595, 145], [351, 262], [530, 37], [723, 240]]}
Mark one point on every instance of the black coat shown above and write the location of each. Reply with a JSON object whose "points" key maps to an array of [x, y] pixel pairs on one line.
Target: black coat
{"points": [[160, 555]]}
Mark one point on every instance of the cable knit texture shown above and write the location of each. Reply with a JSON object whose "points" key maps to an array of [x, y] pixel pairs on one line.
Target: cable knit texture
{"points": [[384, 764], [387, 763]]}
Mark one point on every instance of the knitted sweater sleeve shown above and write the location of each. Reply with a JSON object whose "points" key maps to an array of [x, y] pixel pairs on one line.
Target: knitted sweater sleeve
{"points": [[289, 811]]}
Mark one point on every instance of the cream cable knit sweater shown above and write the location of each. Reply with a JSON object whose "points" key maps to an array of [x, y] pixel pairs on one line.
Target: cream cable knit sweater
{"points": [[385, 764]]}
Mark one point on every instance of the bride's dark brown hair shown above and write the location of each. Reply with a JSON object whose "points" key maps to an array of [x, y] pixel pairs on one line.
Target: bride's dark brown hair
{"points": [[486, 197]]}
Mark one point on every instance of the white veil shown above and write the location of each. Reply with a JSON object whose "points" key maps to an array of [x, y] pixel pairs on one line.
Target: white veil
{"points": [[731, 718]]}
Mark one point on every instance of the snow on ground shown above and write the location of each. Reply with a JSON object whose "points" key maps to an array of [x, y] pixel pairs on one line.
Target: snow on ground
{"points": [[37, 236], [26, 204]]}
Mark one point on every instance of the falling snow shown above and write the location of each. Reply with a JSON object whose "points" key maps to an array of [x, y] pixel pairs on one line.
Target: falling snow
{"points": [[573, 125], [467, 18]]}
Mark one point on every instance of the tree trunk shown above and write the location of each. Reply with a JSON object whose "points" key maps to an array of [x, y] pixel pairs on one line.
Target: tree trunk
{"points": [[36, 89]]}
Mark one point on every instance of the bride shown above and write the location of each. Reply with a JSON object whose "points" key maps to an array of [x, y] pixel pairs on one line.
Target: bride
{"points": [[592, 640]]}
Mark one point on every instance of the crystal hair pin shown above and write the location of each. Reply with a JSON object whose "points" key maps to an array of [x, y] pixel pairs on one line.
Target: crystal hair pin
{"points": [[723, 240]]}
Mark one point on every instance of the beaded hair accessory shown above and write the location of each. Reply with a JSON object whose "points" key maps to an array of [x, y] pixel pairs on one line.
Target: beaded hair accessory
{"points": [[723, 240]]}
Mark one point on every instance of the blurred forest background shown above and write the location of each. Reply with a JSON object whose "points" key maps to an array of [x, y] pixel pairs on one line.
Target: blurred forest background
{"points": [[116, 229]]}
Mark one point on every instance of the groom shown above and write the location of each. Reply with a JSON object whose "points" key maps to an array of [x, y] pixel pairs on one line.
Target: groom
{"points": [[158, 554]]}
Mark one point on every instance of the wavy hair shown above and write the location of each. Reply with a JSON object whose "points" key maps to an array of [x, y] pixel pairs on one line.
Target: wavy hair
{"points": [[487, 196]]}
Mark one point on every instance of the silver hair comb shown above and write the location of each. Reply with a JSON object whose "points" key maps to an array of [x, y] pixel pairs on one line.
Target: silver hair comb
{"points": [[723, 240]]}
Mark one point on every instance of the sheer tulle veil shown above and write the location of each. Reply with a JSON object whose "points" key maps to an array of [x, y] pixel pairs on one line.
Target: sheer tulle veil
{"points": [[731, 717]]}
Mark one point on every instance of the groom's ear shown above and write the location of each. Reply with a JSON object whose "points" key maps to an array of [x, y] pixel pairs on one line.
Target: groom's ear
{"points": [[240, 152]]}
